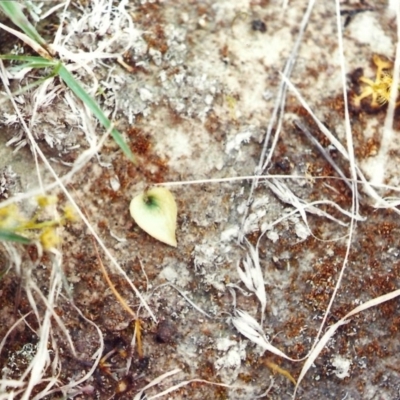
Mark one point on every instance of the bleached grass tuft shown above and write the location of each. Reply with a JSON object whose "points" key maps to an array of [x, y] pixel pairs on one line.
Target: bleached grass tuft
{"points": [[251, 274]]}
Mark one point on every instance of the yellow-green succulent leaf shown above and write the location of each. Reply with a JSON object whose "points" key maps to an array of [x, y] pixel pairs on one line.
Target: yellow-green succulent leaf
{"points": [[155, 211]]}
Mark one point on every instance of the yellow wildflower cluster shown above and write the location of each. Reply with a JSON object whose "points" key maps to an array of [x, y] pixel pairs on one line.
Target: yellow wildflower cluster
{"points": [[14, 226], [380, 89]]}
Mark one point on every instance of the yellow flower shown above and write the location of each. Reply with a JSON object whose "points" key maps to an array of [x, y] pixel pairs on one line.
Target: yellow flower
{"points": [[38, 226], [45, 200], [10, 217], [69, 213], [49, 238], [379, 89]]}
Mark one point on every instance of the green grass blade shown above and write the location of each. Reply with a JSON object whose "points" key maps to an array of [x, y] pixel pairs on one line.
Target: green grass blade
{"points": [[74, 85], [30, 61], [96, 110], [13, 237], [37, 59], [13, 10], [32, 85]]}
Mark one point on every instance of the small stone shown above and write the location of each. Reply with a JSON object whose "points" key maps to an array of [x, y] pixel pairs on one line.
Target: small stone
{"points": [[166, 332], [258, 25]]}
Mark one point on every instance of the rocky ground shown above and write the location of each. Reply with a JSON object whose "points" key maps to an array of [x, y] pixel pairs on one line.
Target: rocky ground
{"points": [[196, 89]]}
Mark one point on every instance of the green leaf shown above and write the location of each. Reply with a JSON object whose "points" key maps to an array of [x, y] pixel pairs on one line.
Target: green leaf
{"points": [[78, 90], [13, 10], [155, 211], [32, 62], [13, 237], [30, 59]]}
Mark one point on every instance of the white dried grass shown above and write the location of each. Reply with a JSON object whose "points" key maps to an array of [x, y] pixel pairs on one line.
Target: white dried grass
{"points": [[30, 42], [367, 185], [251, 329], [388, 134], [66, 389], [251, 275], [141, 394], [43, 367], [276, 119], [333, 328], [78, 210], [282, 191], [242, 321], [184, 295], [155, 382]]}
